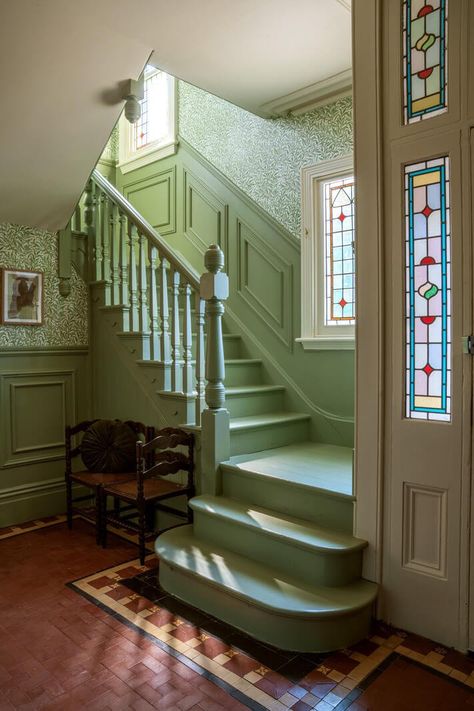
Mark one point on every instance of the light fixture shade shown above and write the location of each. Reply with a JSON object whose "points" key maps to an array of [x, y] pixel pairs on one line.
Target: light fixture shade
{"points": [[133, 110]]}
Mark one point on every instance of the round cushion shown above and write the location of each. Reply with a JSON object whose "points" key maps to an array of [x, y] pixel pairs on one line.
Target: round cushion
{"points": [[109, 446]]}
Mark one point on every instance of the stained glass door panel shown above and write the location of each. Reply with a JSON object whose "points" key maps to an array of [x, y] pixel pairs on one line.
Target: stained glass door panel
{"points": [[424, 39], [428, 290]]}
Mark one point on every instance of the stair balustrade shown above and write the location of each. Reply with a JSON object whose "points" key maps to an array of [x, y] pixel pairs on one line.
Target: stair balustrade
{"points": [[161, 298]]}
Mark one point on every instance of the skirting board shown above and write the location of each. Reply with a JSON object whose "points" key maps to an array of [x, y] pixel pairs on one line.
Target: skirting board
{"points": [[27, 502]]}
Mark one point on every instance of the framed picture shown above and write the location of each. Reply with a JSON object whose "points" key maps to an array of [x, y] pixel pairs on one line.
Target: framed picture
{"points": [[21, 300]]}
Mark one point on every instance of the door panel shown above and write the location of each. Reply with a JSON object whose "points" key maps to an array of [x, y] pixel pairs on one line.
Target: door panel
{"points": [[425, 456]]}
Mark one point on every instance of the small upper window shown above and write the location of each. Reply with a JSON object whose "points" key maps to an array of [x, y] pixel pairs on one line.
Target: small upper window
{"points": [[153, 136], [328, 255]]}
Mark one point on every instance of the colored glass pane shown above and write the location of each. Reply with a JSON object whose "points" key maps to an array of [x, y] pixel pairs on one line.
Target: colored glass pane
{"points": [[428, 290], [424, 58], [339, 220], [153, 122]]}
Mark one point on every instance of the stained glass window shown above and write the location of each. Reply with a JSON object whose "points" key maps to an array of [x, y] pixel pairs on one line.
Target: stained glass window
{"points": [[428, 290], [339, 220], [424, 58], [153, 124]]}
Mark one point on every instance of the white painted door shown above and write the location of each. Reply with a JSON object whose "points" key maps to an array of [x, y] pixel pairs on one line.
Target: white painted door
{"points": [[420, 179]]}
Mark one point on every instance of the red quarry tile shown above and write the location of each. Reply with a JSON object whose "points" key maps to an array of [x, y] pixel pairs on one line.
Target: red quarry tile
{"points": [[274, 684], [241, 665]]}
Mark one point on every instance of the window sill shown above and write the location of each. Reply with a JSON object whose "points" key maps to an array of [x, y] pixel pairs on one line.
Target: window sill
{"points": [[139, 160], [327, 343]]}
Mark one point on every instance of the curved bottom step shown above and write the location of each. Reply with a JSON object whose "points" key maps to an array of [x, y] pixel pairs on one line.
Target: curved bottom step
{"points": [[277, 610]]}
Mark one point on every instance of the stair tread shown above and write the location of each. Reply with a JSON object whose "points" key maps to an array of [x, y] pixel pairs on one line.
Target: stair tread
{"points": [[258, 584], [247, 389], [274, 418], [279, 525], [321, 466]]}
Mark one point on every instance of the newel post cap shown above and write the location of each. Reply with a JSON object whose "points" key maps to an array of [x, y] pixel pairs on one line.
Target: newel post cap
{"points": [[214, 283]]}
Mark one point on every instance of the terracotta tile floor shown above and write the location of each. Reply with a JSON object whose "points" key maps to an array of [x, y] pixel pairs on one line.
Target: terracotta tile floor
{"points": [[60, 651]]}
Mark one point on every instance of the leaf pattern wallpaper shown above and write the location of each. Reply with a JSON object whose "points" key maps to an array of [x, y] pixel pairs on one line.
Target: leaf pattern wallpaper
{"points": [[65, 319], [263, 157]]}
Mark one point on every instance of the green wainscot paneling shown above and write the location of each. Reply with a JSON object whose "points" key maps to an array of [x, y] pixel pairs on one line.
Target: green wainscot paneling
{"points": [[41, 390], [263, 263]]}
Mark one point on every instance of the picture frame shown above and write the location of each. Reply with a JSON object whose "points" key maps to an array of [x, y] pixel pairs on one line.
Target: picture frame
{"points": [[22, 297]]}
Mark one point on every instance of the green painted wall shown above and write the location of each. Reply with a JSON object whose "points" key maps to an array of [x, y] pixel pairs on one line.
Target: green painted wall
{"points": [[253, 214], [44, 382]]}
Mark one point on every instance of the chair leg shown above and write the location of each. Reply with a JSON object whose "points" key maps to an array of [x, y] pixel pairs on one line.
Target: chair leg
{"points": [[103, 518], [98, 515], [141, 533], [69, 502]]}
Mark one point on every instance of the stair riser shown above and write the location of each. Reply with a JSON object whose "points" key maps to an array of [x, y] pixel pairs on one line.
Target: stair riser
{"points": [[255, 403], [300, 634], [232, 347], [309, 566], [243, 374], [327, 511], [260, 438]]}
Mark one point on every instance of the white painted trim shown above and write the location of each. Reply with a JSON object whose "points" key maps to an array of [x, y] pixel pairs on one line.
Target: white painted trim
{"points": [[311, 97], [149, 156], [327, 343], [370, 395], [312, 292]]}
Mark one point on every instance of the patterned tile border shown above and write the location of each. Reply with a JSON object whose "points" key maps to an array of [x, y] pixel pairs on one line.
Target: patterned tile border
{"points": [[39, 523], [326, 682], [29, 526]]}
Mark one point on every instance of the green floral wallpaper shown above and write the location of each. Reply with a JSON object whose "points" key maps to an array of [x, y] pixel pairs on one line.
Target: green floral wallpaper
{"points": [[263, 157], [65, 319]]}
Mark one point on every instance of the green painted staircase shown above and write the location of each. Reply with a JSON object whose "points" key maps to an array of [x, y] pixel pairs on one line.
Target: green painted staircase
{"points": [[273, 554], [271, 549]]}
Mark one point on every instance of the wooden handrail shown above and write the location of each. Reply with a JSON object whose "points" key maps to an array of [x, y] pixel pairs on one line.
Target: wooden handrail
{"points": [[190, 275]]}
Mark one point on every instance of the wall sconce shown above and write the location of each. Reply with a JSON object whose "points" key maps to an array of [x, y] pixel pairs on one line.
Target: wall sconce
{"points": [[133, 93]]}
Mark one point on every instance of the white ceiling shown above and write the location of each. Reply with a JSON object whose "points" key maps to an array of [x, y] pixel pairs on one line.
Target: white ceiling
{"points": [[61, 62]]}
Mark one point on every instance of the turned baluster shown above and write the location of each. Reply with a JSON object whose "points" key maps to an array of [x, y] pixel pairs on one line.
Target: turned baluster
{"points": [[154, 317], [115, 254], [123, 268], [143, 300], [165, 345], [98, 251], [175, 334], [187, 343], [90, 219], [105, 236], [200, 357], [133, 285]]}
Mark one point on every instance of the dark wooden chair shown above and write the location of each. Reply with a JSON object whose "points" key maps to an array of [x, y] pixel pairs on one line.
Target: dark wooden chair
{"points": [[155, 460], [93, 480]]}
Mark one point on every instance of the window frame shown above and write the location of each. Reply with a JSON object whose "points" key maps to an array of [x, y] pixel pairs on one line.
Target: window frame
{"points": [[315, 334], [132, 159]]}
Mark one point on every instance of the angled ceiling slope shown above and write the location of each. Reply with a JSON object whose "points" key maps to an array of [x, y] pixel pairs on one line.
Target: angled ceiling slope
{"points": [[61, 63]]}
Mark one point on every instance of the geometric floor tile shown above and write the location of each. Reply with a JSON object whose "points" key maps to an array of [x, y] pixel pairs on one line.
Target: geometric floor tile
{"points": [[135, 647]]}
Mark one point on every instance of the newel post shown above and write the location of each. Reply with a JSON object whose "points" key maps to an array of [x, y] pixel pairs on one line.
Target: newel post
{"points": [[215, 432]]}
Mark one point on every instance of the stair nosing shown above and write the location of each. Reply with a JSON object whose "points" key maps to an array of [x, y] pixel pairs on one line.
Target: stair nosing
{"points": [[285, 537], [233, 391], [344, 610], [286, 482], [289, 417]]}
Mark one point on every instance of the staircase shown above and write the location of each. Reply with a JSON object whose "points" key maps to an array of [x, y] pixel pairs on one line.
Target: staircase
{"points": [[271, 549]]}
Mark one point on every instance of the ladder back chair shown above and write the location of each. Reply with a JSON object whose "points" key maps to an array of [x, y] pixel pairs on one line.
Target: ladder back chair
{"points": [[94, 480], [156, 459]]}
